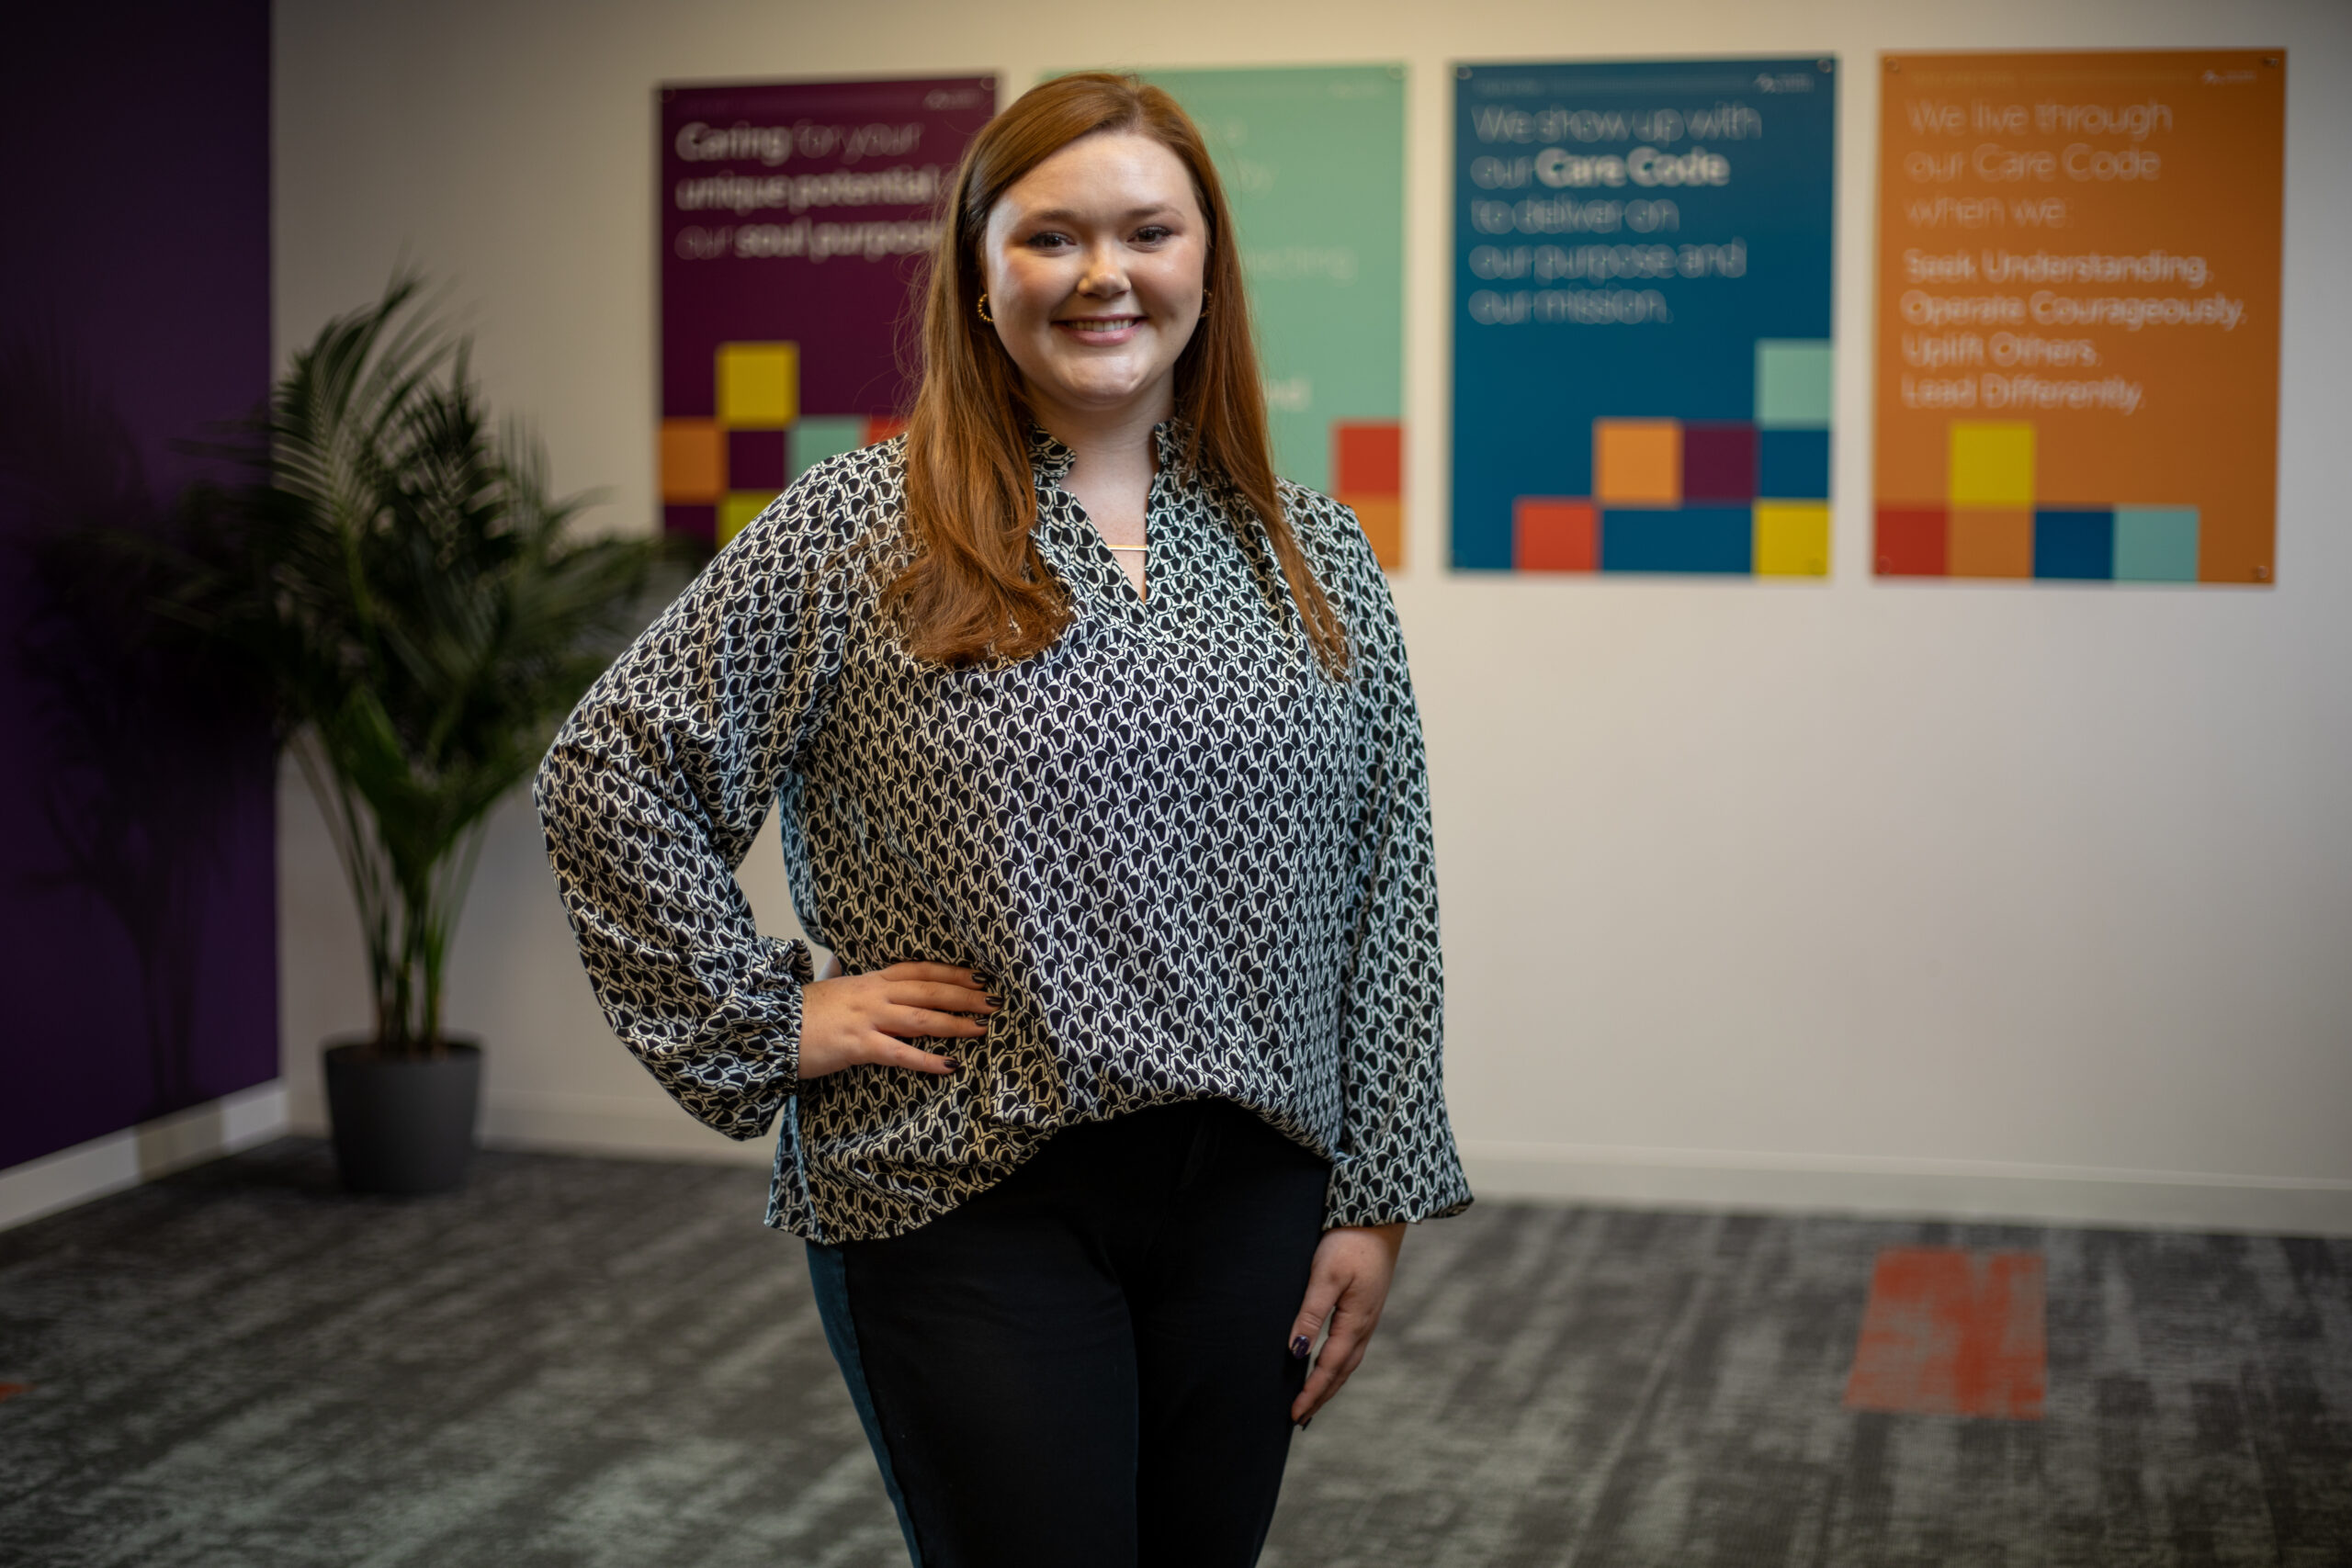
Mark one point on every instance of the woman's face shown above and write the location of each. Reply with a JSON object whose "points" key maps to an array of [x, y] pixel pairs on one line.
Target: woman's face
{"points": [[1093, 263]]}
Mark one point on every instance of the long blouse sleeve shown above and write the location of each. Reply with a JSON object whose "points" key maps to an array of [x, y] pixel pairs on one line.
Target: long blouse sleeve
{"points": [[652, 793], [1396, 1159]]}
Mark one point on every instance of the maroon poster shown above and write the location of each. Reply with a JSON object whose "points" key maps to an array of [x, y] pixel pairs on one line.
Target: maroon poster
{"points": [[795, 218]]}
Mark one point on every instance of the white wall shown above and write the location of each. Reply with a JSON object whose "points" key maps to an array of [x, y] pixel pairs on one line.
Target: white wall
{"points": [[2022, 899]]}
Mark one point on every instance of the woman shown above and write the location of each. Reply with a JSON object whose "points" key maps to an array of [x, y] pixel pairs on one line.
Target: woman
{"points": [[1099, 774]]}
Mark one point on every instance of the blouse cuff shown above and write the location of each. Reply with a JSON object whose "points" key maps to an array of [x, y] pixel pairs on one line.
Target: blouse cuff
{"points": [[759, 1020], [1359, 1194]]}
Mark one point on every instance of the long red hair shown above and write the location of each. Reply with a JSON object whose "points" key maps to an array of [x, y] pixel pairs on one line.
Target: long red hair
{"points": [[979, 587]]}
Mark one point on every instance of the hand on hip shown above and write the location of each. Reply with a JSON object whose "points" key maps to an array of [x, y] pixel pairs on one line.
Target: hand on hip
{"points": [[871, 1018]]}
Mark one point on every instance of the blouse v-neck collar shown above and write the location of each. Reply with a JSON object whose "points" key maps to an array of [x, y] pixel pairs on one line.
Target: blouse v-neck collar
{"points": [[1074, 545]]}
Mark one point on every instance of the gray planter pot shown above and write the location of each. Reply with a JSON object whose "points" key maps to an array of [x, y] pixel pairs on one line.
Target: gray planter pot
{"points": [[403, 1125]]}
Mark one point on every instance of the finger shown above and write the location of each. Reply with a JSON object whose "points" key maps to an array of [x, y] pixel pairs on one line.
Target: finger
{"points": [[1322, 1295], [1329, 1376], [916, 1023], [891, 1053], [942, 974], [942, 997], [1330, 1369], [1340, 1355]]}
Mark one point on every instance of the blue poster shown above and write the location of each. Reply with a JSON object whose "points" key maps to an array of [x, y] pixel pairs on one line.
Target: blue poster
{"points": [[1642, 350]]}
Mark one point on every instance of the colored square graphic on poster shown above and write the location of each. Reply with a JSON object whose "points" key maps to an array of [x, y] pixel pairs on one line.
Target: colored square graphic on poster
{"points": [[1642, 319], [795, 218], [1313, 162], [2078, 287]]}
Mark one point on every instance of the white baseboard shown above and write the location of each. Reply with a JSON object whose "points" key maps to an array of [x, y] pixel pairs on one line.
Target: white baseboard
{"points": [[141, 1154], [1934, 1190]]}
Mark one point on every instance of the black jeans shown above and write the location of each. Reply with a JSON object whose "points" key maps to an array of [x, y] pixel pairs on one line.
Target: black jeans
{"points": [[1086, 1366]]}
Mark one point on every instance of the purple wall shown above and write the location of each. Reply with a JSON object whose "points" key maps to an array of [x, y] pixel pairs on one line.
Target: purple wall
{"points": [[138, 938]]}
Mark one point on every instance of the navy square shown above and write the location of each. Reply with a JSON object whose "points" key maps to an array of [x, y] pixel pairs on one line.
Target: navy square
{"points": [[2075, 543], [1792, 465], [755, 460], [1695, 538]]}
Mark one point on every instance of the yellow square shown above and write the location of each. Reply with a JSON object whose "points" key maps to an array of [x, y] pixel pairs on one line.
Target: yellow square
{"points": [[737, 510], [1637, 462], [1992, 464], [1792, 538], [759, 385]]}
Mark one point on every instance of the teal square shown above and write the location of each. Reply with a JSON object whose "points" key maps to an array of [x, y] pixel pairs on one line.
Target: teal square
{"points": [[1792, 383], [2156, 544], [813, 440]]}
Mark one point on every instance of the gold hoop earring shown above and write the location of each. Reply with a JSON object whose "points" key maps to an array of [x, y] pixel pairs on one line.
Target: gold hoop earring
{"points": [[983, 308]]}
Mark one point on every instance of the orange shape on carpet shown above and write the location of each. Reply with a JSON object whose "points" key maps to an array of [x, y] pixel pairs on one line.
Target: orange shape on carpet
{"points": [[1951, 1332]]}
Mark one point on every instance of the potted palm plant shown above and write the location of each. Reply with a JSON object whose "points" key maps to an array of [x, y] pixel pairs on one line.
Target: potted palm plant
{"points": [[398, 581]]}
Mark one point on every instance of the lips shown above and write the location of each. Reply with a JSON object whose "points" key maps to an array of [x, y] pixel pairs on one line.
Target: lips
{"points": [[1098, 329]]}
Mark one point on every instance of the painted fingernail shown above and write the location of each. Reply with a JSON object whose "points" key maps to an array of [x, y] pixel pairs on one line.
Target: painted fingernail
{"points": [[995, 1000], [1303, 1426], [953, 1065], [982, 978], [1300, 1346]]}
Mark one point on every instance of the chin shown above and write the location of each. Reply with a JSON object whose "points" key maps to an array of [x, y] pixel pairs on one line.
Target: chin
{"points": [[1104, 392]]}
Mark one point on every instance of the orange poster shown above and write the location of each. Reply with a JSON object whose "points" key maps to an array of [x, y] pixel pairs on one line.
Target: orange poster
{"points": [[2078, 315]]}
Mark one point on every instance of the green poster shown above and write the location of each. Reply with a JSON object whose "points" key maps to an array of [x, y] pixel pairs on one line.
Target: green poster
{"points": [[1313, 161]]}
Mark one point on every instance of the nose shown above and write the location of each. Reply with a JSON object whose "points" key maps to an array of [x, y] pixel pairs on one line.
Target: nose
{"points": [[1106, 275]]}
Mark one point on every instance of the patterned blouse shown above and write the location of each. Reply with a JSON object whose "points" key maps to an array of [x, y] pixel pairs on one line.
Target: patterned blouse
{"points": [[1194, 863]]}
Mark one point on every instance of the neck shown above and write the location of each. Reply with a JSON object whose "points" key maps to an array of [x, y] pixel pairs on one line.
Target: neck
{"points": [[1107, 441]]}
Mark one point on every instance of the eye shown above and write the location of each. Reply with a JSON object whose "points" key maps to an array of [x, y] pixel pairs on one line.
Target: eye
{"points": [[1153, 233], [1047, 240]]}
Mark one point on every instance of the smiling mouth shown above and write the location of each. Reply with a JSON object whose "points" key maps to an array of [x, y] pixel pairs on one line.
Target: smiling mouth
{"points": [[1098, 323]]}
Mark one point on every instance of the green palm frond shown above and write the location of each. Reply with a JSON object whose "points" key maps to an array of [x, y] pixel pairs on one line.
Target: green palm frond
{"points": [[402, 582]]}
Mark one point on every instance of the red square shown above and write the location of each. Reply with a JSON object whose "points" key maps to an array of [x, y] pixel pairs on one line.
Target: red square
{"points": [[1550, 534], [881, 427], [1367, 458], [1949, 1332], [1913, 541]]}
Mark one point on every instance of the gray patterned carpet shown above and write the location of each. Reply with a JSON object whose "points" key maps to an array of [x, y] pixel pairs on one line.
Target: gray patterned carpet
{"points": [[603, 1363]]}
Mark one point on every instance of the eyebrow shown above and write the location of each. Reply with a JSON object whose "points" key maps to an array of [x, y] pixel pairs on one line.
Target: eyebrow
{"points": [[1064, 215]]}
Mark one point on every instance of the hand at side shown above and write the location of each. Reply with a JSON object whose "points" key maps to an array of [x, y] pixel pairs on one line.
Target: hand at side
{"points": [[871, 1018], [1346, 1288]]}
